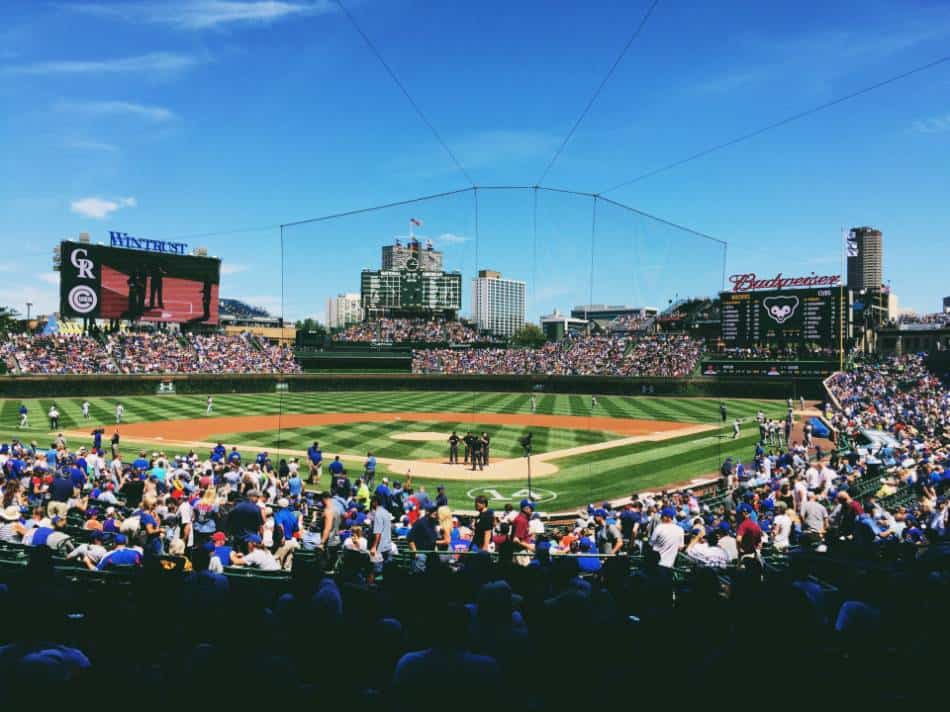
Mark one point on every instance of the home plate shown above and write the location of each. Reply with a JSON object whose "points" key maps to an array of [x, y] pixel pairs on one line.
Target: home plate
{"points": [[420, 436]]}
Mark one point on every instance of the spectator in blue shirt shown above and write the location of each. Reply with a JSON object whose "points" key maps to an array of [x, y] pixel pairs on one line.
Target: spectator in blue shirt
{"points": [[120, 556]]}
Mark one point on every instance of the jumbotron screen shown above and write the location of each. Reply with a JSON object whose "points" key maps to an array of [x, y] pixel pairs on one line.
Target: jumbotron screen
{"points": [[99, 282], [785, 317]]}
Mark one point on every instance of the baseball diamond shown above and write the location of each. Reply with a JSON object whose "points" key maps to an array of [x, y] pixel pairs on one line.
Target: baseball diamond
{"points": [[632, 444]]}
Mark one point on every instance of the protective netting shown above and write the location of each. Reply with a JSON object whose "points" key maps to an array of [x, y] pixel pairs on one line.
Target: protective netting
{"points": [[453, 278]]}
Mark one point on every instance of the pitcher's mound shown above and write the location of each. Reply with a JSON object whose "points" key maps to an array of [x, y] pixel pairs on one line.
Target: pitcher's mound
{"points": [[420, 436]]}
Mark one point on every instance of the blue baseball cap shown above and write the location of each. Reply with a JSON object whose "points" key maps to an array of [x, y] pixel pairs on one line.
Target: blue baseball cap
{"points": [[600, 513], [725, 527], [668, 512], [253, 539], [121, 539], [527, 503], [744, 508]]}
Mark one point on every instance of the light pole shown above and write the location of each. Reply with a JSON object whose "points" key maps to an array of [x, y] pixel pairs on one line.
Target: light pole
{"points": [[29, 305]]}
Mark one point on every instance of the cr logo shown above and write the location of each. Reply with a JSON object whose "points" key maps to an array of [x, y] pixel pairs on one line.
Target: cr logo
{"points": [[82, 263]]}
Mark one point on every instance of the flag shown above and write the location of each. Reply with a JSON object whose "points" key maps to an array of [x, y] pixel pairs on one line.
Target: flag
{"points": [[417, 223], [852, 241]]}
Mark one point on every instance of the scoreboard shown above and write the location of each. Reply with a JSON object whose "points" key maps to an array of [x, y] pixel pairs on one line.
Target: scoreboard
{"points": [[784, 317]]}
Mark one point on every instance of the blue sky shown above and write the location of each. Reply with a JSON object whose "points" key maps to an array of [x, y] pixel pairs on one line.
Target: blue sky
{"points": [[177, 118]]}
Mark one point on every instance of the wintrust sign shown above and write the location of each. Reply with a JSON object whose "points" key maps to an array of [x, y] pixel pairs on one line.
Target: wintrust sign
{"points": [[749, 282]]}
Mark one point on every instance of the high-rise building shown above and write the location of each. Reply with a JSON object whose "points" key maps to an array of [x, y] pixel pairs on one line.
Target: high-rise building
{"points": [[497, 304], [946, 305], [865, 258], [343, 310]]}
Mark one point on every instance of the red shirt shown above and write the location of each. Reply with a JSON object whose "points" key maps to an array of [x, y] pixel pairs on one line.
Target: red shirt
{"points": [[521, 530], [749, 535]]}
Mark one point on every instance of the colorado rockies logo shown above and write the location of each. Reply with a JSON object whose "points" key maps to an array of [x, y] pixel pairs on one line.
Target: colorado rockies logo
{"points": [[82, 264], [82, 299], [780, 309]]}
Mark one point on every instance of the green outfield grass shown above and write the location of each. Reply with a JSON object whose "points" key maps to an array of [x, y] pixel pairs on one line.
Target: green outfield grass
{"points": [[583, 478]]}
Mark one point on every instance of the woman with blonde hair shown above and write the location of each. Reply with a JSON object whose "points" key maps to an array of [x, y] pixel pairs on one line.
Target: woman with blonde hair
{"points": [[444, 542], [205, 516]]}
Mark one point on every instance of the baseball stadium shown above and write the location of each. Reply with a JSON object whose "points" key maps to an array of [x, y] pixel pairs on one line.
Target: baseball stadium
{"points": [[292, 416]]}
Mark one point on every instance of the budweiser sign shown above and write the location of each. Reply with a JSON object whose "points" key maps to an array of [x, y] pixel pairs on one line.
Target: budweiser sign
{"points": [[750, 282]]}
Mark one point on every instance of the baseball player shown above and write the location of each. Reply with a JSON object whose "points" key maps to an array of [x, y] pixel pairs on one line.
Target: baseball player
{"points": [[119, 412], [85, 409], [24, 419], [210, 405]]}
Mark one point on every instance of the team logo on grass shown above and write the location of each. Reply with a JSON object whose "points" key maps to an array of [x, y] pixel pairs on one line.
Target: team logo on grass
{"points": [[538, 495]]}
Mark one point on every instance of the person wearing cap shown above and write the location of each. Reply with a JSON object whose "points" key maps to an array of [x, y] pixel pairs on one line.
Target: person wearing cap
{"points": [[257, 555], [369, 471], [24, 417], [521, 533], [221, 554], [11, 529], [383, 493], [441, 500], [121, 556], [315, 460], [289, 523], [668, 538], [609, 538], [454, 440], [362, 492]]}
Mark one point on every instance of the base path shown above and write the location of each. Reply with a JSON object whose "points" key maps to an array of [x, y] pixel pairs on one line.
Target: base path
{"points": [[203, 428]]}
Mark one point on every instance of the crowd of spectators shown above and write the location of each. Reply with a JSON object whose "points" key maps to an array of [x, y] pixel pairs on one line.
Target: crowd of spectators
{"points": [[56, 355], [800, 538], [144, 353], [630, 323], [434, 331], [659, 355]]}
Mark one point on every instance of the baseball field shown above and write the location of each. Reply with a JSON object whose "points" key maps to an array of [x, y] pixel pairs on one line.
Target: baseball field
{"points": [[581, 452]]}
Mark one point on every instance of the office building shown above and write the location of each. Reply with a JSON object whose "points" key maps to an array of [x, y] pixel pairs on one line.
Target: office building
{"points": [[497, 303], [865, 259], [343, 310]]}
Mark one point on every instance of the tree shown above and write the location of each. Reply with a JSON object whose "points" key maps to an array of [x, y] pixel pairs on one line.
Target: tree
{"points": [[310, 324], [9, 319], [528, 335]]}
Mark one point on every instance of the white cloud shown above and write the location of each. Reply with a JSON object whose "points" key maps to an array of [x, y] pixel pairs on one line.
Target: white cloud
{"points": [[207, 14], [937, 124], [50, 278], [451, 238], [116, 108], [99, 208], [151, 63], [91, 145], [268, 302], [233, 268]]}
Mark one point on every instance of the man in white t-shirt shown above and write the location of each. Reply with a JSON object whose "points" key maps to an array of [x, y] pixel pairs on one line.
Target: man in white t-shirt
{"points": [[257, 556], [781, 527], [813, 478], [700, 551], [667, 538]]}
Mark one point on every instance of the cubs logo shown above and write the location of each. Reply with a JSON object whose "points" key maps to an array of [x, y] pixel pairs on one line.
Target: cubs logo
{"points": [[780, 309]]}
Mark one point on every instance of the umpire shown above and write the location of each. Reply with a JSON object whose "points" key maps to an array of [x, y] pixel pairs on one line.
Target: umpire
{"points": [[468, 440], [477, 453], [454, 448]]}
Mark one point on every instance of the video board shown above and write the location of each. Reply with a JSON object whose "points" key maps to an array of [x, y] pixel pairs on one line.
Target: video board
{"points": [[99, 282]]}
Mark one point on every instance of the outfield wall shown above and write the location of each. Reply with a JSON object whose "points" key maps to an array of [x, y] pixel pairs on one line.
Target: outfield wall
{"points": [[727, 387]]}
